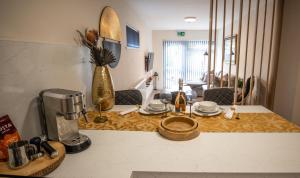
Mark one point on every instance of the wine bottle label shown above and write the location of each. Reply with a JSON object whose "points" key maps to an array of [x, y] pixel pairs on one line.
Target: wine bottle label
{"points": [[177, 103], [180, 102]]}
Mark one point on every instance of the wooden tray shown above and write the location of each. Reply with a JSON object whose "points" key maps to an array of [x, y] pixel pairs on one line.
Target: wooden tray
{"points": [[179, 128], [39, 167]]}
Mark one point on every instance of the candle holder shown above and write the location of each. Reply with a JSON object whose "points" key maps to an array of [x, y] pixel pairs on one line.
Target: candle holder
{"points": [[100, 118]]}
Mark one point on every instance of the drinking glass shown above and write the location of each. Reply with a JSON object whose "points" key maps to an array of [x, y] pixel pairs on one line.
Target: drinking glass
{"points": [[190, 102], [165, 98]]}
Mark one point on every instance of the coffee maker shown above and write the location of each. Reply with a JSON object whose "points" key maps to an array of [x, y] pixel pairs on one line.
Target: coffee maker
{"points": [[60, 110]]}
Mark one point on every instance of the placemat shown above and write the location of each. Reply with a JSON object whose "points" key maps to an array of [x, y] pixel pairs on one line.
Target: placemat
{"points": [[248, 122]]}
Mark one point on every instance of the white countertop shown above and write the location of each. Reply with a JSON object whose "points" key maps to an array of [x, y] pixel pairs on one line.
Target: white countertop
{"points": [[117, 154]]}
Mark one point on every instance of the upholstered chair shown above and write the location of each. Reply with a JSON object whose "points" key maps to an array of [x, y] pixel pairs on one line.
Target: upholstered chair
{"points": [[222, 96], [128, 97]]}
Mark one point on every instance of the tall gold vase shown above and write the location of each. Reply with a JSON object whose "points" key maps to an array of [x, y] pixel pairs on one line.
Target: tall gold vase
{"points": [[103, 89]]}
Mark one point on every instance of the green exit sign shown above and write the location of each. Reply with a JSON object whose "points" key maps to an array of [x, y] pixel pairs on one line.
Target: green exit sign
{"points": [[180, 33]]}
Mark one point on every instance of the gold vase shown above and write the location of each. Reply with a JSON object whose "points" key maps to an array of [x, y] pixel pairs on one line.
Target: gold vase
{"points": [[103, 89]]}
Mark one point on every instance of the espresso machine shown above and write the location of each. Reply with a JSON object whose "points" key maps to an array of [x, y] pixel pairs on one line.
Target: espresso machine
{"points": [[61, 109]]}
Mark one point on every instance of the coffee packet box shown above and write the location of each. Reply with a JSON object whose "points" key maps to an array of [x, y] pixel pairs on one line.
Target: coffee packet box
{"points": [[8, 134]]}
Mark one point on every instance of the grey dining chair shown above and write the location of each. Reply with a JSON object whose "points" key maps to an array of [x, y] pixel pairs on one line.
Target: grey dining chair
{"points": [[222, 96], [128, 97]]}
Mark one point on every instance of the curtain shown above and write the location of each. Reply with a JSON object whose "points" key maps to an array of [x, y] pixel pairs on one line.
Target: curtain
{"points": [[183, 59]]}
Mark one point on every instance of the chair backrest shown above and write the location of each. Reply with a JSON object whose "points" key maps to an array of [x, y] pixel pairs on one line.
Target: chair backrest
{"points": [[247, 90], [222, 96], [128, 97]]}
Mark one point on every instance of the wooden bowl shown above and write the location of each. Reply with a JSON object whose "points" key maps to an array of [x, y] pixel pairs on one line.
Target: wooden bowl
{"points": [[179, 128], [179, 124]]}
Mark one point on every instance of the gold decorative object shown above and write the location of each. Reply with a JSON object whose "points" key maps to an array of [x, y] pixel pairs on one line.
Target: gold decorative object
{"points": [[103, 89], [109, 25], [103, 95]]}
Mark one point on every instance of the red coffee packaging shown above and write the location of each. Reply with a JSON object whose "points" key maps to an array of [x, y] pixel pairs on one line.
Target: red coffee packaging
{"points": [[8, 134]]}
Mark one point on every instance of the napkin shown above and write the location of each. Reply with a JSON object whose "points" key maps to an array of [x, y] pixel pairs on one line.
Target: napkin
{"points": [[128, 111], [228, 114]]}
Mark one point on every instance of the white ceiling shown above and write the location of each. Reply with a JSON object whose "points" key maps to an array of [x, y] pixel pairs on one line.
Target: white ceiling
{"points": [[169, 14]]}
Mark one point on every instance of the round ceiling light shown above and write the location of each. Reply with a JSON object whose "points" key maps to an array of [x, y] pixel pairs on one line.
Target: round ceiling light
{"points": [[190, 19]]}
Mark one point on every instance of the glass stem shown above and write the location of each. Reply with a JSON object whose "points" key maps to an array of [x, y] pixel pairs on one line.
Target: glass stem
{"points": [[190, 111], [100, 110], [165, 110]]}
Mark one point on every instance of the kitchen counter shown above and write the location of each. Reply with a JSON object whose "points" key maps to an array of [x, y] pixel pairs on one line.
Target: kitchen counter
{"points": [[119, 154]]}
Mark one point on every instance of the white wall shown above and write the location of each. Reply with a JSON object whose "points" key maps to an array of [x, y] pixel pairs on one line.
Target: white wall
{"points": [[160, 35], [287, 93], [37, 51]]}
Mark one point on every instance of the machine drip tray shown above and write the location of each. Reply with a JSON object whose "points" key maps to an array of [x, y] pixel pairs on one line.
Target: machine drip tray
{"points": [[76, 144]]}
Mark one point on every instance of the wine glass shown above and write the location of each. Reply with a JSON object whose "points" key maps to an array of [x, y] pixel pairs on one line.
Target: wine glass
{"points": [[165, 98], [100, 118], [190, 102]]}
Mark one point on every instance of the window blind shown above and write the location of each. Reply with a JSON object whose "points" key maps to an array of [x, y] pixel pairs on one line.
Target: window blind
{"points": [[183, 59]]}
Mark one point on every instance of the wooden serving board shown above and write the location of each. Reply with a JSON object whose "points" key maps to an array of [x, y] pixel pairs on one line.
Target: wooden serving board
{"points": [[39, 167], [179, 128]]}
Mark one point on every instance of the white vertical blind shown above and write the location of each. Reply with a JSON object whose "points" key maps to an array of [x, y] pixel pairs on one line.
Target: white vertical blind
{"points": [[183, 59]]}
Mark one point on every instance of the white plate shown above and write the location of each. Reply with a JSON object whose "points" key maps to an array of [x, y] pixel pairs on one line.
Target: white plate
{"points": [[199, 113], [203, 110], [146, 112], [207, 105], [156, 104], [199, 110], [149, 108]]}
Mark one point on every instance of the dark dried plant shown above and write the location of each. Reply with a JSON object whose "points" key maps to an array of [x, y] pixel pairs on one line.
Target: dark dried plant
{"points": [[99, 56]]}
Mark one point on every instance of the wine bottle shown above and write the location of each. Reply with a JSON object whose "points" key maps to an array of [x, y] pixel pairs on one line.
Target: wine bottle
{"points": [[180, 101]]}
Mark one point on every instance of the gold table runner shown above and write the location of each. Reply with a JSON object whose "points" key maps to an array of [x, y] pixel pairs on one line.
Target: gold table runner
{"points": [[248, 122]]}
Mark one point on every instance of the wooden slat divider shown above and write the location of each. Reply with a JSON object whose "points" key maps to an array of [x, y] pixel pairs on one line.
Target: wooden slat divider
{"points": [[254, 50], [246, 52], [238, 52], [262, 49], [231, 38], [243, 66], [215, 40], [209, 42], [275, 51], [270, 53], [223, 42]]}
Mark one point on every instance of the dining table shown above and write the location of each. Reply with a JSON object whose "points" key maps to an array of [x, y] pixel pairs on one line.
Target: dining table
{"points": [[259, 144]]}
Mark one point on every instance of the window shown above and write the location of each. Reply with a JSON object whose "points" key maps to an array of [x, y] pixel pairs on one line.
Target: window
{"points": [[184, 59]]}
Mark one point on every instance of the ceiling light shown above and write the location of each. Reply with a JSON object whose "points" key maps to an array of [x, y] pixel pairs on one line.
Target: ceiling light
{"points": [[190, 19]]}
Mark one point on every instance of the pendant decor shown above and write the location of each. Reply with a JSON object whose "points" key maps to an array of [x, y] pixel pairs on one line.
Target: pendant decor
{"points": [[111, 32], [109, 25], [103, 95]]}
